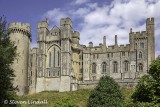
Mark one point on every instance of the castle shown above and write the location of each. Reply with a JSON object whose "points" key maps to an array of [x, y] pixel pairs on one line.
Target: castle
{"points": [[61, 63]]}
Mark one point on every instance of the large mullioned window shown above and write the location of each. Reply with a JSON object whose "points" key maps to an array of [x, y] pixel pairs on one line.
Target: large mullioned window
{"points": [[115, 67], [58, 57], [49, 59], [126, 66], [140, 66], [104, 67], [93, 68]]}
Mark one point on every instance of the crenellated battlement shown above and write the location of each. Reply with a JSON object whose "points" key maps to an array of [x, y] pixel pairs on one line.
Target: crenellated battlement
{"points": [[20, 26], [124, 46], [66, 21], [76, 34], [43, 24], [150, 21]]}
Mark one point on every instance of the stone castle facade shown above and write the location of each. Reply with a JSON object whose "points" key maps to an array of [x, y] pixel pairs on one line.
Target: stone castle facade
{"points": [[61, 63]]}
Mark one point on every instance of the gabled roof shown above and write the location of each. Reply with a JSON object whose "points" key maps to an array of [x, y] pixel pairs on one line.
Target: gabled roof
{"points": [[55, 29]]}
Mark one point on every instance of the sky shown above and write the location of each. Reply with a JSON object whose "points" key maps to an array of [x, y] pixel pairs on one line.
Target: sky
{"points": [[92, 18]]}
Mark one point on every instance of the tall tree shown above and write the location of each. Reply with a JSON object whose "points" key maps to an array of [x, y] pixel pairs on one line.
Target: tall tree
{"points": [[7, 55], [106, 94]]}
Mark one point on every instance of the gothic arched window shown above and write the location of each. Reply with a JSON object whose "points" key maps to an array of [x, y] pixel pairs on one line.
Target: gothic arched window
{"points": [[104, 67], [115, 67], [54, 57], [49, 59], [126, 66], [140, 66], [58, 57], [140, 54], [93, 68]]}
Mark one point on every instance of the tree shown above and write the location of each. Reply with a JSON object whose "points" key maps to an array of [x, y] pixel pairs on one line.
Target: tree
{"points": [[106, 94], [144, 90], [148, 87], [7, 55]]}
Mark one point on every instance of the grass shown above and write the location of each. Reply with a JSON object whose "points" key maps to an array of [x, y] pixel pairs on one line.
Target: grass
{"points": [[79, 97]]}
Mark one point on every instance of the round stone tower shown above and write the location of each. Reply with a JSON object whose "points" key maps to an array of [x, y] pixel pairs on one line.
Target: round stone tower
{"points": [[20, 34]]}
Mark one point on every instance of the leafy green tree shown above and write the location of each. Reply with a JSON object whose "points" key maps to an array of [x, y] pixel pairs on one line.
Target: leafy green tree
{"points": [[154, 70], [148, 87], [7, 55], [106, 94], [144, 91]]}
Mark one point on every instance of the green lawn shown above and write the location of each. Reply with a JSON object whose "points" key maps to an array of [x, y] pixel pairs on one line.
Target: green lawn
{"points": [[78, 97]]}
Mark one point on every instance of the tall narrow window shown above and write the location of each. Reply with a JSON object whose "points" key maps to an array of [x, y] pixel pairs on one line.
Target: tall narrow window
{"points": [[54, 73], [142, 45], [54, 57], [49, 73], [140, 54], [49, 59], [115, 67], [93, 68], [104, 67], [112, 54], [126, 65], [123, 53], [93, 56], [58, 57], [135, 46], [58, 73], [140, 66]]}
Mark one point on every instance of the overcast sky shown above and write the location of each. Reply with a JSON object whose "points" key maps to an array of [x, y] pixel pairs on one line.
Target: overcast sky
{"points": [[92, 18]]}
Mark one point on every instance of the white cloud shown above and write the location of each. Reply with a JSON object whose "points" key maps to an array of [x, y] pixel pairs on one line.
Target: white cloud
{"points": [[111, 19], [79, 1], [55, 15]]}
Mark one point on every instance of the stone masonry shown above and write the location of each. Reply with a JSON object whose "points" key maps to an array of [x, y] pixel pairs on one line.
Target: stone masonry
{"points": [[61, 63]]}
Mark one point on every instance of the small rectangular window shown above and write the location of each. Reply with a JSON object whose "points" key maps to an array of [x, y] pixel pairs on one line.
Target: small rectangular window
{"points": [[112, 54], [123, 53]]}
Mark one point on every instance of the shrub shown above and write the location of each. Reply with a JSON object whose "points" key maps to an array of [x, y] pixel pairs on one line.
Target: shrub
{"points": [[106, 94]]}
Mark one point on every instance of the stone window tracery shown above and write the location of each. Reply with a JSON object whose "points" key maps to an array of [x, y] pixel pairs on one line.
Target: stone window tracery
{"points": [[115, 67], [58, 57], [126, 65], [93, 68], [140, 66], [49, 59], [142, 45], [104, 67]]}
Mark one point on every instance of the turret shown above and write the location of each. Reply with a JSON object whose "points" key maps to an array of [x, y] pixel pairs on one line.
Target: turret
{"points": [[75, 37], [131, 40], [116, 44], [151, 41], [66, 27], [104, 41], [90, 44], [42, 32], [66, 36], [21, 35]]}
